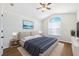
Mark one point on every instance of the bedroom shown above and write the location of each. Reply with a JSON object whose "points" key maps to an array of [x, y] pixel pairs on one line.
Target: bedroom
{"points": [[21, 21]]}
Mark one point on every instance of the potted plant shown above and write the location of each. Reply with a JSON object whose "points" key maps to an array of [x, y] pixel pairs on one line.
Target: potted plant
{"points": [[73, 33]]}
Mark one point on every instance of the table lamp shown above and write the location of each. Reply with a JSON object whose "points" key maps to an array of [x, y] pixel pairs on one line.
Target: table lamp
{"points": [[14, 35]]}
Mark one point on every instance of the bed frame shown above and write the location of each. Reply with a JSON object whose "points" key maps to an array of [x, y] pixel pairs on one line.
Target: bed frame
{"points": [[47, 52]]}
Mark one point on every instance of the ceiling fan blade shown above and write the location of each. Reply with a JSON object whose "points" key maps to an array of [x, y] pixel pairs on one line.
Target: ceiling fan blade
{"points": [[39, 8], [49, 3], [48, 8], [41, 4]]}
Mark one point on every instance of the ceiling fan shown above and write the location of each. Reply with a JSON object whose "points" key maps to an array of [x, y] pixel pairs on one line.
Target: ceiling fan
{"points": [[44, 6]]}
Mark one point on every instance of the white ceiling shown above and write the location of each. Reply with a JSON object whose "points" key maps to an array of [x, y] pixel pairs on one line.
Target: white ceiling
{"points": [[29, 9]]}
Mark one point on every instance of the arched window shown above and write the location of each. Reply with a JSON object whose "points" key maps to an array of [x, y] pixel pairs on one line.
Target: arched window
{"points": [[54, 26]]}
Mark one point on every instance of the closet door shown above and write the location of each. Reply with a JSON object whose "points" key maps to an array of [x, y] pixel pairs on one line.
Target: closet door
{"points": [[1, 37]]}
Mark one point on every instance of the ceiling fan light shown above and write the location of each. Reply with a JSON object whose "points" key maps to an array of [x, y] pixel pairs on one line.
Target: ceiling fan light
{"points": [[43, 9]]}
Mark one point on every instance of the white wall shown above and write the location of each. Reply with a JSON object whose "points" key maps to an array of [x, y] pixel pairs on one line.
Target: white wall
{"points": [[68, 21], [78, 14], [13, 23]]}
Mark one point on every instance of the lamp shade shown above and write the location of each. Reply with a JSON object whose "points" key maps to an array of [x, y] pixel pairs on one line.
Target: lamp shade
{"points": [[14, 33], [40, 32]]}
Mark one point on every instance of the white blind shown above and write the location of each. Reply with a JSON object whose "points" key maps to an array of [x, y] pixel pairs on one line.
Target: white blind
{"points": [[54, 27]]}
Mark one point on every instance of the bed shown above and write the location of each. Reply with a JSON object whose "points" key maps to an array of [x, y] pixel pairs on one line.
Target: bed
{"points": [[32, 46]]}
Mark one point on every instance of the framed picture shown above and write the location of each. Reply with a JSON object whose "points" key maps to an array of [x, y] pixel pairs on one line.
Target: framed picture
{"points": [[27, 24]]}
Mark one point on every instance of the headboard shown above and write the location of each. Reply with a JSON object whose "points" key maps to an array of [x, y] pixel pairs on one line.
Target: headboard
{"points": [[27, 33]]}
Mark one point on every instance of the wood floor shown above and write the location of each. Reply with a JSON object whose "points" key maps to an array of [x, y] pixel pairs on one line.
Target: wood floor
{"points": [[11, 52], [67, 51]]}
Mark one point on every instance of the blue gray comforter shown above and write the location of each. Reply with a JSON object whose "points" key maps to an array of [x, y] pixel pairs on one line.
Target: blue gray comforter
{"points": [[38, 45]]}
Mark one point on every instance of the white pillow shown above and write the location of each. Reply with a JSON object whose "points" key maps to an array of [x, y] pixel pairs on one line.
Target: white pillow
{"points": [[31, 37], [28, 38], [36, 36]]}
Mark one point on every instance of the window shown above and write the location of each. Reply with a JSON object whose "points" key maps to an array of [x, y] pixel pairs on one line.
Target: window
{"points": [[54, 26]]}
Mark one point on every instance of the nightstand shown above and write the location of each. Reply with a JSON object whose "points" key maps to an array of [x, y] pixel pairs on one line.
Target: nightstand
{"points": [[75, 46], [14, 43], [1, 52]]}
